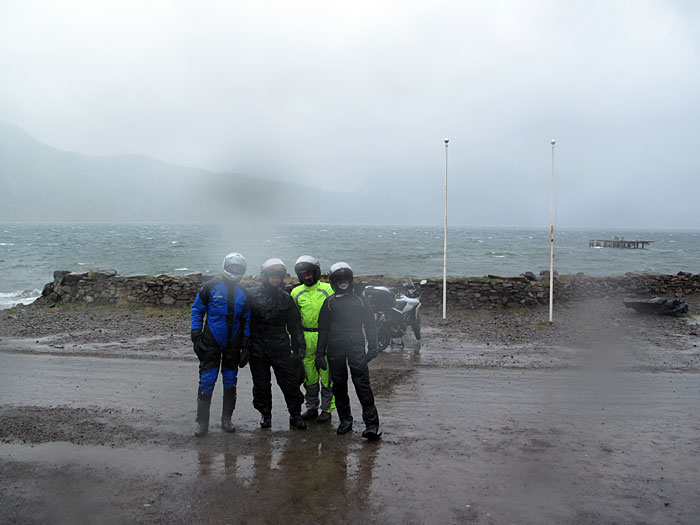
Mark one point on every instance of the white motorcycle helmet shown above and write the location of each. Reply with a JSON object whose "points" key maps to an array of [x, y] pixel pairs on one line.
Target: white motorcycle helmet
{"points": [[307, 264], [235, 266], [341, 278], [272, 267]]}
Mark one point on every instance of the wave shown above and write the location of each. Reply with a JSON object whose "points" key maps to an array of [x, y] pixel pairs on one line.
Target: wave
{"points": [[10, 299]]}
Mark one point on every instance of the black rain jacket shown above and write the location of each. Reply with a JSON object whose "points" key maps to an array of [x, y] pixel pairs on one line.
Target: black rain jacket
{"points": [[340, 324], [273, 319]]}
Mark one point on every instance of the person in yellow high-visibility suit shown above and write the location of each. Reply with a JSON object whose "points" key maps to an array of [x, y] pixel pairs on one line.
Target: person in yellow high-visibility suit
{"points": [[309, 297]]}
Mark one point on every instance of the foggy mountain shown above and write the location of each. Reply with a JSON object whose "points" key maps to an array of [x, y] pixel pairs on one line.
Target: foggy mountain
{"points": [[41, 183]]}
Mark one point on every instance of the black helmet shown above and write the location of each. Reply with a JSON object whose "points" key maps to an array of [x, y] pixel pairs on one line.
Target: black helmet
{"points": [[307, 264], [235, 266], [272, 267], [339, 273]]}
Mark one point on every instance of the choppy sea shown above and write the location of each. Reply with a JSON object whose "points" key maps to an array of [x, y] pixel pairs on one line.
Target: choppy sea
{"points": [[30, 252]]}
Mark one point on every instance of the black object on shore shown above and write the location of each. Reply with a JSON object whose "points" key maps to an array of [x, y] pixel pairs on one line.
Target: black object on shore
{"points": [[658, 306]]}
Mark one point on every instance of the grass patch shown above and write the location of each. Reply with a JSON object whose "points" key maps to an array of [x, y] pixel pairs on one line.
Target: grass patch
{"points": [[152, 311], [694, 318], [120, 309], [541, 324]]}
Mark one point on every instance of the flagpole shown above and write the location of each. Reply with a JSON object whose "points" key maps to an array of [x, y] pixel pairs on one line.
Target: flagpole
{"points": [[444, 250], [551, 246]]}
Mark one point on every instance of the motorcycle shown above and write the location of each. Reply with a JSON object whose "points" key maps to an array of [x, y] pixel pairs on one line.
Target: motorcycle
{"points": [[394, 312]]}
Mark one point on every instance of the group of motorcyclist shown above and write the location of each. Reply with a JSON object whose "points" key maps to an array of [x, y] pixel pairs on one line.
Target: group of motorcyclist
{"points": [[310, 336]]}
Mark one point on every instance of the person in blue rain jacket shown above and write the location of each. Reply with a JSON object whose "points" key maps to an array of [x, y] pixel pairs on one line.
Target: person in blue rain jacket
{"points": [[220, 332]]}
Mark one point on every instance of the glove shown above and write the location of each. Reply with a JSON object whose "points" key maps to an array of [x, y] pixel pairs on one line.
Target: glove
{"points": [[199, 352], [301, 353], [320, 362], [244, 357], [245, 352], [196, 336], [301, 371], [371, 354]]}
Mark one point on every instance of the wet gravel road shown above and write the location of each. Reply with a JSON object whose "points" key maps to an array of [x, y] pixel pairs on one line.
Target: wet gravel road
{"points": [[542, 429]]}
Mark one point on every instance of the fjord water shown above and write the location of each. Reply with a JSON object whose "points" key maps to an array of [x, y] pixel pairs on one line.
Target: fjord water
{"points": [[30, 252]]}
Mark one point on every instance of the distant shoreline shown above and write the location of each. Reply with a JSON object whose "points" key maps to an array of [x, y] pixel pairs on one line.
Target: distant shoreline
{"points": [[28, 296]]}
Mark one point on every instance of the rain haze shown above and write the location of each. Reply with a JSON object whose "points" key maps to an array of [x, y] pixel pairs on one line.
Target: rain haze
{"points": [[352, 102], [512, 379]]}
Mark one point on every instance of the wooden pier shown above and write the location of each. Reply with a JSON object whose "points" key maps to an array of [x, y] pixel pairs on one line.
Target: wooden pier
{"points": [[617, 243]]}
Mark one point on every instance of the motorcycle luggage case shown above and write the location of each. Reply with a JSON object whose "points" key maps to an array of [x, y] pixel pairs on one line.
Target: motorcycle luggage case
{"points": [[380, 296]]}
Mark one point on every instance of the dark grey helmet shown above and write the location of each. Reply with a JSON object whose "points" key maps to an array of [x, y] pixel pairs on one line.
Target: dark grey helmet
{"points": [[235, 266]]}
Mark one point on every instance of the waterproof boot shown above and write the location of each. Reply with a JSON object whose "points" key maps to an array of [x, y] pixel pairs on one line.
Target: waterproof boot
{"points": [[345, 426], [372, 433], [323, 417], [203, 405], [266, 420], [309, 414], [297, 422], [227, 410]]}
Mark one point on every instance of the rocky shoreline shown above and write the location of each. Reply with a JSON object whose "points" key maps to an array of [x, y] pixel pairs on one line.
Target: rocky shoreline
{"points": [[527, 289]]}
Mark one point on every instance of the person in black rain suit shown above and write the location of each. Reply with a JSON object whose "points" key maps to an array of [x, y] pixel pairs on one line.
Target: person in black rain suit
{"points": [[340, 336], [273, 318]]}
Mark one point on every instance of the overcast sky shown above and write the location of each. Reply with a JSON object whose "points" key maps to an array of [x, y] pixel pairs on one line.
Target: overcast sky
{"points": [[345, 95]]}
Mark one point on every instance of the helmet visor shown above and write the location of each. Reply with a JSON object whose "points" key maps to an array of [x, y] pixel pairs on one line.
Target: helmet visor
{"points": [[234, 269], [307, 273]]}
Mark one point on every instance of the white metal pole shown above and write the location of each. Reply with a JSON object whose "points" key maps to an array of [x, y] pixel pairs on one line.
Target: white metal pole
{"points": [[551, 246], [444, 250]]}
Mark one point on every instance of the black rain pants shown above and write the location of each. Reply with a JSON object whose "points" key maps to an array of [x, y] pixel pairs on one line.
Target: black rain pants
{"points": [[339, 360], [287, 375]]}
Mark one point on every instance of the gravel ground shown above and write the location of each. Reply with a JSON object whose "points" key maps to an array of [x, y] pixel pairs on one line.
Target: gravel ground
{"points": [[489, 409], [576, 324], [118, 331], [585, 333]]}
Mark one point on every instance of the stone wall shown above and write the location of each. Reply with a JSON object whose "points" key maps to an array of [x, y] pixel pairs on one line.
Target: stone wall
{"points": [[491, 292], [106, 286], [488, 292]]}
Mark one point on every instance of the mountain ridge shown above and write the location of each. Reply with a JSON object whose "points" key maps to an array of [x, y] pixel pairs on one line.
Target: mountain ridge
{"points": [[39, 182]]}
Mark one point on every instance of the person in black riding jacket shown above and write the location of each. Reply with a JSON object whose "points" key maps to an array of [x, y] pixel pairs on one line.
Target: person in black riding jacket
{"points": [[274, 318], [223, 341], [340, 336]]}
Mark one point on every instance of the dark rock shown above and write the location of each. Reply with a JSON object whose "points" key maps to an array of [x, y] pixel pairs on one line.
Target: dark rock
{"points": [[73, 278], [544, 275], [658, 306], [102, 274]]}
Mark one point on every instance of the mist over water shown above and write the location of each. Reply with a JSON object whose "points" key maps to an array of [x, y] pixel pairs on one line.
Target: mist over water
{"points": [[29, 252]]}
